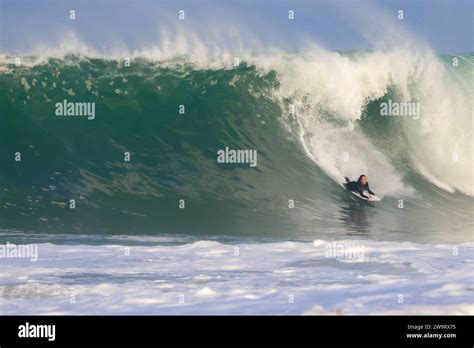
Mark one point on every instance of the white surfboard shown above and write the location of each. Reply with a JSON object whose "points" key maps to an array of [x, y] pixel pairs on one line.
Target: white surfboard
{"points": [[372, 198]]}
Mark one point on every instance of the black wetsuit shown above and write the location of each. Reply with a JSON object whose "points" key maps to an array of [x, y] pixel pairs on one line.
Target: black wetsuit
{"points": [[358, 187]]}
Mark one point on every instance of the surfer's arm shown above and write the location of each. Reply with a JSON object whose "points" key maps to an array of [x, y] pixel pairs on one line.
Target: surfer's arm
{"points": [[368, 189]]}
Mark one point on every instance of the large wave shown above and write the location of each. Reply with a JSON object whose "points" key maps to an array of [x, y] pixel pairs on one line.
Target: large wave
{"points": [[312, 116]]}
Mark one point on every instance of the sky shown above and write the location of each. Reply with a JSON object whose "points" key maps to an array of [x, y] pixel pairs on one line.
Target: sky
{"points": [[106, 25]]}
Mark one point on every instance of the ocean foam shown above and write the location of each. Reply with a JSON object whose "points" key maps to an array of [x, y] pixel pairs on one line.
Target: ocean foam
{"points": [[208, 277]]}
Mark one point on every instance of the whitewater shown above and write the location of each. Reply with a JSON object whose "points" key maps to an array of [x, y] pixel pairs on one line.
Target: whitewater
{"points": [[176, 275]]}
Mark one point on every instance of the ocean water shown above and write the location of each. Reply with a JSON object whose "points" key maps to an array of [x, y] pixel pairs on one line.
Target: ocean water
{"points": [[176, 275], [281, 237]]}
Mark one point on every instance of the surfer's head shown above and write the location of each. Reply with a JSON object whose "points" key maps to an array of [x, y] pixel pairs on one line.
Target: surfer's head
{"points": [[362, 179]]}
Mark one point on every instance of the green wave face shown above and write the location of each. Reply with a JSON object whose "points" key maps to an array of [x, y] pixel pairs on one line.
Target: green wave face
{"points": [[173, 182]]}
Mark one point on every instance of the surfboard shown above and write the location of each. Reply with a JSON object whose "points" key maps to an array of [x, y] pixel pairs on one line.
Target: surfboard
{"points": [[373, 198]]}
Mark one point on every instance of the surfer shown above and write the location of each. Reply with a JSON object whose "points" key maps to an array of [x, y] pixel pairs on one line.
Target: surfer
{"points": [[359, 186]]}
